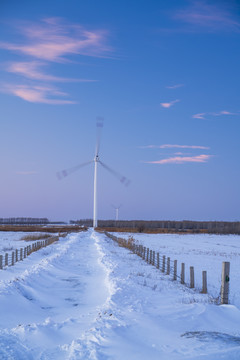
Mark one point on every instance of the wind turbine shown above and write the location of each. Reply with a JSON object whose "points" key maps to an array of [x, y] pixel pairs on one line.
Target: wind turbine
{"points": [[96, 161], [117, 211]]}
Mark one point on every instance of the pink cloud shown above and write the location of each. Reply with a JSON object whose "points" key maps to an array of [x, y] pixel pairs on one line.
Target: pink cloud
{"points": [[174, 146], [32, 70], [212, 17], [223, 112], [220, 113], [53, 39], [169, 104], [37, 94], [199, 116], [181, 160]]}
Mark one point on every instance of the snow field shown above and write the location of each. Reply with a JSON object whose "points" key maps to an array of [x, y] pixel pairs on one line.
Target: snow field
{"points": [[203, 252], [157, 318], [85, 297], [10, 241]]}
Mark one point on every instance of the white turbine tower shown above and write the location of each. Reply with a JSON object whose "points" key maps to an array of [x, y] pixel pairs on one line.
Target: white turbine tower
{"points": [[116, 211], [96, 160]]}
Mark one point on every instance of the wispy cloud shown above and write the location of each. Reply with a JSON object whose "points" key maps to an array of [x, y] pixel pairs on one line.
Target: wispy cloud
{"points": [[32, 70], [210, 17], [182, 159], [179, 157], [174, 86], [223, 112], [219, 113], [199, 116], [52, 40], [37, 94], [169, 104], [175, 146]]}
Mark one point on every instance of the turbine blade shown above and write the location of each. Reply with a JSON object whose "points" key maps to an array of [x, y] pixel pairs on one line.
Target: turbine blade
{"points": [[99, 124], [66, 172], [120, 177]]}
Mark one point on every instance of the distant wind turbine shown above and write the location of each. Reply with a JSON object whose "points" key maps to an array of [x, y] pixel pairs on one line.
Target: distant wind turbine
{"points": [[117, 211], [96, 160]]}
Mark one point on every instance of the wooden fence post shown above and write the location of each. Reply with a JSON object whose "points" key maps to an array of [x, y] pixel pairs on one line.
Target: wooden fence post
{"points": [[191, 277], [150, 260], [204, 282], [147, 255], [175, 270], [158, 264], [1, 261], [16, 252], [25, 252], [182, 273], [21, 254], [6, 259], [225, 282], [153, 259], [168, 265], [13, 256], [163, 263], [144, 253]]}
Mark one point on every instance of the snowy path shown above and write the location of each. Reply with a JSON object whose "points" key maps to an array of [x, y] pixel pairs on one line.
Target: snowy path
{"points": [[87, 298], [53, 302]]}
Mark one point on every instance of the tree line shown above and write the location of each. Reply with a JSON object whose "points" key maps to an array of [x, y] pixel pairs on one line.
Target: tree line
{"points": [[219, 227]]}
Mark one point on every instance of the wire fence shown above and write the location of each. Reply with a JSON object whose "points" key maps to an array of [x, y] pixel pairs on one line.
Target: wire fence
{"points": [[169, 267]]}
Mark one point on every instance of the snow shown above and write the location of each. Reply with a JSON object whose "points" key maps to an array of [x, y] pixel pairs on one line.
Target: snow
{"points": [[86, 298], [204, 252], [9, 241]]}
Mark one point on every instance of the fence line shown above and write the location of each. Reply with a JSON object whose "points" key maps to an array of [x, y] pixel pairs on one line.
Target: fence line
{"points": [[160, 263], [22, 253]]}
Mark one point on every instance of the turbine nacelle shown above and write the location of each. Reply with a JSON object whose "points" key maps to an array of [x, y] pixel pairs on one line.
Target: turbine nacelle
{"points": [[96, 159]]}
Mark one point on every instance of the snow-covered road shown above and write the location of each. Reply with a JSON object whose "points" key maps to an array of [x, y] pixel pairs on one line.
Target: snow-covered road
{"points": [[86, 298]]}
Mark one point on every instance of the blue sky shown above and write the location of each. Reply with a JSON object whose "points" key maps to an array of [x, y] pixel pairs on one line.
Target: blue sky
{"points": [[165, 78]]}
